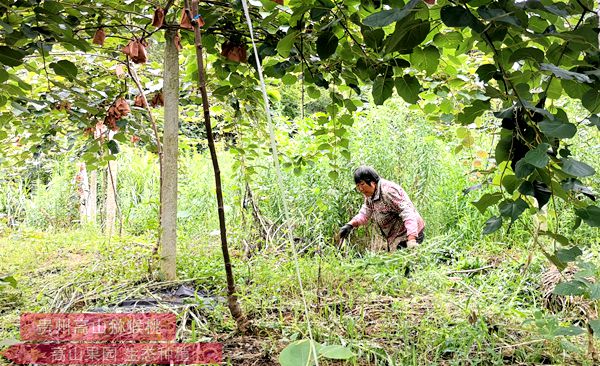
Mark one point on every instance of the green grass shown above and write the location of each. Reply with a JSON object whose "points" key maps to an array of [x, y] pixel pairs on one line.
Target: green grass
{"points": [[407, 307]]}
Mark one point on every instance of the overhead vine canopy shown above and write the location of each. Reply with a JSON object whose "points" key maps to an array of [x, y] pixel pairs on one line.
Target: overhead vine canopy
{"points": [[458, 61]]}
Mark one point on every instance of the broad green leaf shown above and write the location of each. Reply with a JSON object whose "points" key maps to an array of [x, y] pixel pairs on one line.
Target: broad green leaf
{"points": [[513, 209], [448, 40], [568, 254], [568, 331], [65, 68], [537, 189], [336, 352], [426, 59], [574, 89], [9, 280], [113, 146], [457, 16], [407, 35], [284, 46], [486, 72], [492, 224], [313, 92], [595, 325], [565, 74], [590, 214], [555, 89], [594, 290], [373, 38], [10, 56], [473, 111], [298, 353], [594, 121], [386, 17], [538, 157], [487, 200], [571, 288], [559, 238], [523, 169], [527, 53], [3, 75], [558, 129], [510, 182], [382, 89], [327, 43], [408, 87], [333, 175], [591, 100], [289, 79], [577, 168]]}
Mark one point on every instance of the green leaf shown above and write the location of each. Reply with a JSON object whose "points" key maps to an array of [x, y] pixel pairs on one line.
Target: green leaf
{"points": [[566, 255], [3, 75], [336, 352], [457, 16], [289, 79], [594, 291], [527, 53], [407, 35], [298, 353], [574, 89], [408, 87], [386, 17], [426, 59], [567, 331], [313, 92], [473, 111], [538, 157], [577, 168], [523, 169], [594, 121], [513, 209], [373, 38], [486, 72], [565, 74], [327, 43], [382, 89], [510, 182], [591, 100], [284, 46], [558, 129], [595, 325], [448, 40], [571, 288], [65, 68], [590, 214], [10, 56], [8, 280], [492, 224], [487, 200], [559, 238], [333, 175], [113, 146]]}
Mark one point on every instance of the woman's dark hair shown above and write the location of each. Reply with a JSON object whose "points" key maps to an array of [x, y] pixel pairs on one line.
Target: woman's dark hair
{"points": [[366, 174]]}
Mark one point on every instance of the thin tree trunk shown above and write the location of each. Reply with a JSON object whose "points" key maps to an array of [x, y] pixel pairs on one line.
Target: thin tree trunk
{"points": [[92, 206], [232, 301], [111, 198], [168, 188]]}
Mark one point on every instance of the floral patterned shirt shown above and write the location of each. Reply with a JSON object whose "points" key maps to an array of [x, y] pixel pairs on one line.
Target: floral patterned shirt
{"points": [[392, 211]]}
